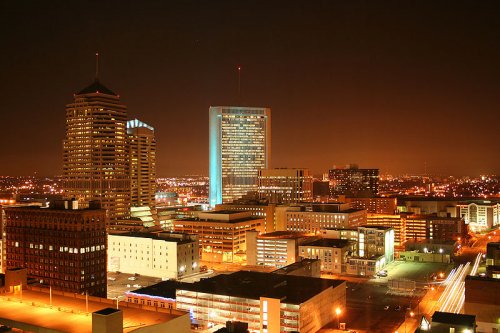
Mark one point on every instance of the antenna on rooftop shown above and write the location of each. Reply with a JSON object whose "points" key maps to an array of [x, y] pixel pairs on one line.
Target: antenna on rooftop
{"points": [[239, 82], [96, 65]]}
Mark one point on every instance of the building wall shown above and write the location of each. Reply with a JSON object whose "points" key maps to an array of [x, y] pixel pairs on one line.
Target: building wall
{"points": [[315, 221], [354, 182], [265, 212], [320, 310], [377, 205], [62, 248], [219, 240], [480, 216], [333, 259], [239, 146], [152, 257], [271, 251], [282, 186]]}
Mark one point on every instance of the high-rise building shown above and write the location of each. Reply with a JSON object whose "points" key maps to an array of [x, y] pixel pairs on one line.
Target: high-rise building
{"points": [[96, 165], [284, 185], [62, 246], [354, 182], [142, 151], [239, 146]]}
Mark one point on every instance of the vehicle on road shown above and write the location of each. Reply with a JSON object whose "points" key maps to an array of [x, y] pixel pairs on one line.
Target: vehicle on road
{"points": [[386, 307], [132, 278], [398, 308]]}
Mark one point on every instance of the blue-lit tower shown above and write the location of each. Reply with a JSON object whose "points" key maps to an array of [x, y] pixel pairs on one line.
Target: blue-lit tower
{"points": [[239, 146]]}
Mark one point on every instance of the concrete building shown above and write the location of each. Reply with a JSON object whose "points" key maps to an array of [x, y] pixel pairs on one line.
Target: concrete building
{"points": [[429, 250], [441, 207], [304, 267], [277, 249], [74, 313], [259, 209], [481, 302], [445, 322], [493, 260], [95, 158], [373, 205], [222, 234], [239, 146], [313, 217], [268, 302], [142, 163], [353, 182], [374, 248], [284, 185], [480, 214], [333, 253], [161, 254], [61, 246]]}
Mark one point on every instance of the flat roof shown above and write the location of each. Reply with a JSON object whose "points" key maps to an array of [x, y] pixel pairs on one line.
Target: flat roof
{"points": [[454, 318], [165, 236], [164, 289], [41, 315], [253, 285], [296, 265], [196, 219], [328, 242], [107, 311], [379, 227], [284, 234]]}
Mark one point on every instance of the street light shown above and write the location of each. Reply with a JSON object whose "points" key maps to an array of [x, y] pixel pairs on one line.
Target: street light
{"points": [[338, 312]]}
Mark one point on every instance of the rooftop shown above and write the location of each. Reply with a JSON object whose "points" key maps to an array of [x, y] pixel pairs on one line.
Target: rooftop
{"points": [[284, 234], [327, 242], [96, 88], [253, 285], [296, 265], [454, 318], [165, 236]]}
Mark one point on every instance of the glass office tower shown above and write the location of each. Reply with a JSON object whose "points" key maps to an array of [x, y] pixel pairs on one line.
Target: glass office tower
{"points": [[239, 146]]}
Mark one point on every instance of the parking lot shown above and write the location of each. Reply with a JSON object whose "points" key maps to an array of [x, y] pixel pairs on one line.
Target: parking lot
{"points": [[370, 306], [119, 283]]}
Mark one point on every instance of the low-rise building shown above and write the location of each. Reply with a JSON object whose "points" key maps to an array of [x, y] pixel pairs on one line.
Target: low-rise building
{"points": [[304, 267], [314, 217], [222, 234], [481, 302], [493, 260], [259, 209], [480, 214], [333, 253], [160, 254], [277, 249], [445, 322], [373, 205], [268, 302]]}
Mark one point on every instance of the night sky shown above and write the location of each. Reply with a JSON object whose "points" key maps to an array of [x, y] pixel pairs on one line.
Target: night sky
{"points": [[394, 85]]}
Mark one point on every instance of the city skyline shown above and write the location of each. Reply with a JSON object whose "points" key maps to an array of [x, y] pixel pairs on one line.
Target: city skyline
{"points": [[331, 72]]}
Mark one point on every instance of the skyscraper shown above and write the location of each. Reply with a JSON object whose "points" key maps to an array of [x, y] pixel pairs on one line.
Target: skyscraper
{"points": [[96, 165], [285, 185], [239, 146], [142, 155]]}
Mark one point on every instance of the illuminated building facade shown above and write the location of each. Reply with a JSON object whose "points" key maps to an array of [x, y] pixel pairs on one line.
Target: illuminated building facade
{"points": [[268, 302], [222, 234], [142, 158], [62, 247], [333, 253], [354, 182], [480, 215], [261, 210], [313, 218], [95, 159], [277, 249], [374, 205], [283, 185], [239, 146], [160, 254]]}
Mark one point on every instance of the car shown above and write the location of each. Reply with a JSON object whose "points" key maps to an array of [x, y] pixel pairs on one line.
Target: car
{"points": [[112, 278], [398, 308], [132, 278], [386, 307]]}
